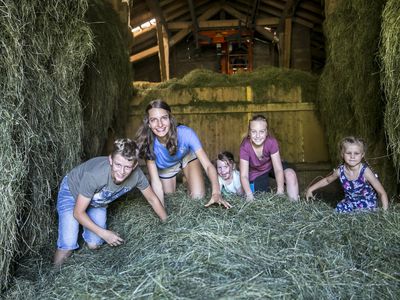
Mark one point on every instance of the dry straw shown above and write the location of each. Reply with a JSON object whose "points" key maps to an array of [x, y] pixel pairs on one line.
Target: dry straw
{"points": [[44, 47], [390, 57], [269, 248], [107, 88], [261, 80], [350, 99]]}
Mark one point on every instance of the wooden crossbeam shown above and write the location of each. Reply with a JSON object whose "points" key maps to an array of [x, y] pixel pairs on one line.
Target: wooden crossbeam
{"points": [[173, 40]]}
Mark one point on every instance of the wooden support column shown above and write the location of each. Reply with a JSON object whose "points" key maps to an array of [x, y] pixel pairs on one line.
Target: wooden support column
{"points": [[162, 38], [285, 32], [287, 43], [194, 21], [163, 52]]}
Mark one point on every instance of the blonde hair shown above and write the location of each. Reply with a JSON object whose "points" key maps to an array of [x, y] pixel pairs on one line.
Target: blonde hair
{"points": [[352, 140], [126, 148]]}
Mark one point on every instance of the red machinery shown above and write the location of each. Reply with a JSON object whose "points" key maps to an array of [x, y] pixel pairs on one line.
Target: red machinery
{"points": [[234, 47]]}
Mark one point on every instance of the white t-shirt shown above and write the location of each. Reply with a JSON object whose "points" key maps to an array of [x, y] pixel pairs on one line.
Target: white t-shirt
{"points": [[234, 187]]}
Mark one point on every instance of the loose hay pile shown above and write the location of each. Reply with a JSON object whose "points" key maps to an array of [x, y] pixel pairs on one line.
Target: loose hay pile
{"points": [[260, 80], [267, 248]]}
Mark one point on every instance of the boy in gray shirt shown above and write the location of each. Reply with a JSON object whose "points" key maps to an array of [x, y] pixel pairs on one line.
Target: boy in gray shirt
{"points": [[86, 191]]}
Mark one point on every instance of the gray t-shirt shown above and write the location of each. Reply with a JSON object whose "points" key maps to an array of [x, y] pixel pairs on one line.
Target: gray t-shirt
{"points": [[93, 180]]}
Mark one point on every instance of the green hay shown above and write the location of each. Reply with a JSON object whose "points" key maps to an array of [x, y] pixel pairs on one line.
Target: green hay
{"points": [[108, 79], [260, 80], [44, 48], [270, 248], [350, 99], [389, 54]]}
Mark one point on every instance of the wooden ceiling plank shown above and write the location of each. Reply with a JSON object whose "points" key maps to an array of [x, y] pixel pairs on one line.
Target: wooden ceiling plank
{"points": [[139, 20], [310, 17], [311, 7], [275, 4]]}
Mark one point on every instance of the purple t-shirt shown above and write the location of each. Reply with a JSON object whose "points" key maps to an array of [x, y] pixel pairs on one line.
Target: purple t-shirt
{"points": [[187, 141], [258, 166]]}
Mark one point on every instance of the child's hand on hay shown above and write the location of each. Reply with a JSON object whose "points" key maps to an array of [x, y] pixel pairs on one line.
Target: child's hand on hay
{"points": [[216, 198], [309, 195], [112, 238]]}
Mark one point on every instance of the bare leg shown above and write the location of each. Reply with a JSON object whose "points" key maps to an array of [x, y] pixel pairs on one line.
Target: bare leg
{"points": [[195, 180], [169, 185], [60, 256], [292, 185]]}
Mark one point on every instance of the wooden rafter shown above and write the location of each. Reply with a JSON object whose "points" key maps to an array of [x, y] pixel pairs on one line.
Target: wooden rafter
{"points": [[232, 11], [211, 11]]}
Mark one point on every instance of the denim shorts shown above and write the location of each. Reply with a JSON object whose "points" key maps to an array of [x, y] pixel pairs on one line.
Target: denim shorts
{"points": [[68, 226], [175, 169]]}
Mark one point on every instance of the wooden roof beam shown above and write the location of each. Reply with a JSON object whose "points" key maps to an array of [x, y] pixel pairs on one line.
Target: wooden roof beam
{"points": [[156, 10], [271, 21], [215, 8], [264, 32]]}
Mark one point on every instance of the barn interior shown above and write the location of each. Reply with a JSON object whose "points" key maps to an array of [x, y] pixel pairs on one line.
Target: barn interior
{"points": [[77, 75]]}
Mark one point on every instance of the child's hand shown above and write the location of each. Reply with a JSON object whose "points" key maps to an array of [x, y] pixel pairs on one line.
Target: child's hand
{"points": [[112, 238], [216, 198], [250, 197], [309, 195]]}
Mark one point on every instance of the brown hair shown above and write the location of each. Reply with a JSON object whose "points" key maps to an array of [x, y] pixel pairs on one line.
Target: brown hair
{"points": [[227, 157], [145, 136]]}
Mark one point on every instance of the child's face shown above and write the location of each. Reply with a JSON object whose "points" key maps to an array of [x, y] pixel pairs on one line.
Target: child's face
{"points": [[121, 168], [224, 169], [159, 122], [258, 132], [352, 154]]}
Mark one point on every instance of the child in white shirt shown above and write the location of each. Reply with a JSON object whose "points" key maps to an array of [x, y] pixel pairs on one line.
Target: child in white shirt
{"points": [[228, 176]]}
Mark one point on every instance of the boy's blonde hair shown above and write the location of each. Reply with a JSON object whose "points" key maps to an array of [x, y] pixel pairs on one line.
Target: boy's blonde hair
{"points": [[126, 148]]}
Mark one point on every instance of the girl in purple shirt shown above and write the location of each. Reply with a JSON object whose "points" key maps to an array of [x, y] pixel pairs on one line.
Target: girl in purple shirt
{"points": [[260, 159]]}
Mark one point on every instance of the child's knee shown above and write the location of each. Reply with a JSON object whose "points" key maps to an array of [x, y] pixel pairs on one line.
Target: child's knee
{"points": [[290, 175], [197, 195], [93, 246]]}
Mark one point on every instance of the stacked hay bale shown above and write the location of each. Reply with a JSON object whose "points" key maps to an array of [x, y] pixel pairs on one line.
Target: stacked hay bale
{"points": [[390, 57], [45, 48], [350, 98], [107, 87]]}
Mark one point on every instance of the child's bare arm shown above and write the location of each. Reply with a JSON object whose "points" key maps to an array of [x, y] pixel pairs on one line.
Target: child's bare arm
{"points": [[155, 181], [244, 179], [321, 183], [376, 184], [82, 203], [155, 203]]}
